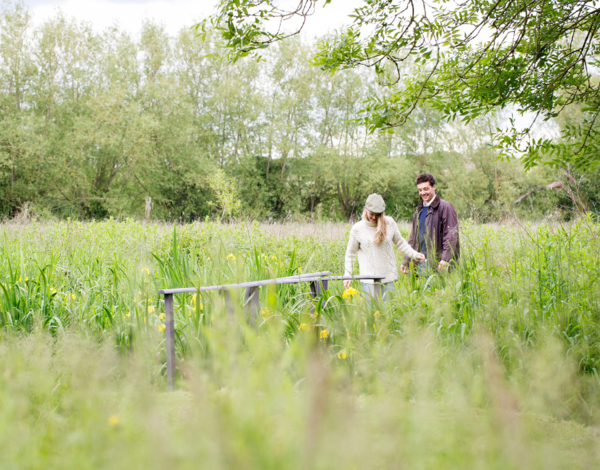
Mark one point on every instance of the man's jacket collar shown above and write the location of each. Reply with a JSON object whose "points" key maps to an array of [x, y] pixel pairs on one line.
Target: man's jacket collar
{"points": [[434, 203]]}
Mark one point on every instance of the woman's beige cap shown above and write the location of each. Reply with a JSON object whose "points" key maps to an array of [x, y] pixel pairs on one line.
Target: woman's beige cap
{"points": [[375, 204]]}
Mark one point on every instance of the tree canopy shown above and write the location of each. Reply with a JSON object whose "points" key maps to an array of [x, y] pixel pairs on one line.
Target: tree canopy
{"points": [[106, 124], [463, 58]]}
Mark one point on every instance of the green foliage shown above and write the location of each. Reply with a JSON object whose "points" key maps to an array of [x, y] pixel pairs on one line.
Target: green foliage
{"points": [[227, 202], [515, 282], [463, 59], [496, 362], [70, 403], [94, 124]]}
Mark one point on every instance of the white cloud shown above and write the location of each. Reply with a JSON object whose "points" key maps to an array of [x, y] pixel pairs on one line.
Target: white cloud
{"points": [[174, 14]]}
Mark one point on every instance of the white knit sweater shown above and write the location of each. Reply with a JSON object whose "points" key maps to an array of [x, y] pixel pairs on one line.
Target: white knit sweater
{"points": [[376, 259]]}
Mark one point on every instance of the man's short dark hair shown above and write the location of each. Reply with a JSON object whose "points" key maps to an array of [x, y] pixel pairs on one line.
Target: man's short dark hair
{"points": [[424, 178]]}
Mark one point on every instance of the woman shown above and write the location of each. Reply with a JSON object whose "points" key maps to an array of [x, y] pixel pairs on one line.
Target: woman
{"points": [[373, 240]]}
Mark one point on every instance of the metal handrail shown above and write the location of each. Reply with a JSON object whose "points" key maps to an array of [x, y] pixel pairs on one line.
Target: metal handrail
{"points": [[279, 280]]}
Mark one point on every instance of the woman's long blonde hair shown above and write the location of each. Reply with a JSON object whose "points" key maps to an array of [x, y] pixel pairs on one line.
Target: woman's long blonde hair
{"points": [[381, 231]]}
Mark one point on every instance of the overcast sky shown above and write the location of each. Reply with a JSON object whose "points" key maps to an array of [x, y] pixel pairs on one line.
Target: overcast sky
{"points": [[174, 14]]}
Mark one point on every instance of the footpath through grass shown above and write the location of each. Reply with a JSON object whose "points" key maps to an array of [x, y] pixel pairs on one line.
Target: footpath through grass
{"points": [[492, 366]]}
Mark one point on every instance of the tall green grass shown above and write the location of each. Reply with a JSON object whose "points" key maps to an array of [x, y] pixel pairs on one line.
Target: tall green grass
{"points": [[494, 365], [514, 281]]}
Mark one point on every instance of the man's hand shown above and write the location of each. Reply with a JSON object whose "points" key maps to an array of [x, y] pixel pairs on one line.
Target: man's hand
{"points": [[442, 266], [347, 283], [404, 269]]}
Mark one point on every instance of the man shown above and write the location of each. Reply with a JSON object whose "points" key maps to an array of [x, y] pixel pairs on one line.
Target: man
{"points": [[434, 229]]}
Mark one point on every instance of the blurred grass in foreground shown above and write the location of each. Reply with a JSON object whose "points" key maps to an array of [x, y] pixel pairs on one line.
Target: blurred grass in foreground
{"points": [[70, 403], [492, 366]]}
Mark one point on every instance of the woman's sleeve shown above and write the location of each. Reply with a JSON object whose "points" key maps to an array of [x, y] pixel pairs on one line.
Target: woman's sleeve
{"points": [[351, 251], [402, 244]]}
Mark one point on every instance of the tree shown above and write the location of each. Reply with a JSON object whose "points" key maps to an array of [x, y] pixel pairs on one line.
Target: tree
{"points": [[17, 71], [464, 58], [92, 124]]}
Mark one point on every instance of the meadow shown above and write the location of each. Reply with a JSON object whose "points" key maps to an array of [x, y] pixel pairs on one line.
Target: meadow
{"points": [[494, 365]]}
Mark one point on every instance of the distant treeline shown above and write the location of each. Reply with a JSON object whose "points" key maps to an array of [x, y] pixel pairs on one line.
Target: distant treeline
{"points": [[94, 124]]}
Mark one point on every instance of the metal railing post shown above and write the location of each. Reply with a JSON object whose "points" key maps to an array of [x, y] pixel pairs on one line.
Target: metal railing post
{"points": [[170, 340], [252, 303], [229, 303], [377, 290], [316, 290]]}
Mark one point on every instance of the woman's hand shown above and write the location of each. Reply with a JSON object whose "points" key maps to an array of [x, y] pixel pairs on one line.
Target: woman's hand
{"points": [[347, 283], [420, 258]]}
